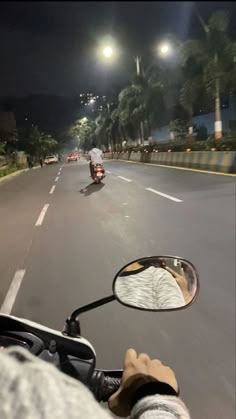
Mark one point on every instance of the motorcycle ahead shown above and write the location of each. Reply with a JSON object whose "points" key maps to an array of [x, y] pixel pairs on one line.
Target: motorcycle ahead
{"points": [[98, 173], [160, 283]]}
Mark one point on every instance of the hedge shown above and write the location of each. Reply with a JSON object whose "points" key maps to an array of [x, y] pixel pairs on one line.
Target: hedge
{"points": [[11, 169], [224, 144]]}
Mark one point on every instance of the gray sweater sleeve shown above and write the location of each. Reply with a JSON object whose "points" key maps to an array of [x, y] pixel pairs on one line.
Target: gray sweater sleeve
{"points": [[33, 389], [160, 407]]}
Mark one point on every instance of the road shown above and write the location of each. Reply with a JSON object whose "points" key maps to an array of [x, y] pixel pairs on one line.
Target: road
{"points": [[86, 233]]}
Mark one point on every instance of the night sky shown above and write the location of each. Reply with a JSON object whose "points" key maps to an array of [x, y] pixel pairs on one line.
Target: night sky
{"points": [[51, 47]]}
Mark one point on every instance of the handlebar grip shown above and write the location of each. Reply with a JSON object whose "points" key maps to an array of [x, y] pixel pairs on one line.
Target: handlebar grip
{"points": [[110, 386]]}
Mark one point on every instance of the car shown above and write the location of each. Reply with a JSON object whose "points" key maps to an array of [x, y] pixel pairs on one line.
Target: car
{"points": [[72, 157], [51, 159]]}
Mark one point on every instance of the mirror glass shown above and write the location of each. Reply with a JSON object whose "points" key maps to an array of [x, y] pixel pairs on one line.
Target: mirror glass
{"points": [[157, 283]]}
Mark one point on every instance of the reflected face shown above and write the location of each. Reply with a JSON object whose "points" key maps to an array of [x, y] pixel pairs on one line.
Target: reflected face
{"points": [[157, 284]]}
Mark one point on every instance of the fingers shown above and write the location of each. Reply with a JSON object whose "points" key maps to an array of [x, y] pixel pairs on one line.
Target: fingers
{"points": [[172, 272], [130, 356], [144, 358]]}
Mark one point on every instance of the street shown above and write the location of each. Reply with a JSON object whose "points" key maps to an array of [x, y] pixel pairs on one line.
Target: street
{"points": [[66, 239]]}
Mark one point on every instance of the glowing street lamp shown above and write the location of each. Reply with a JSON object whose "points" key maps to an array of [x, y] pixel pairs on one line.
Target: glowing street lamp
{"points": [[108, 52], [164, 49]]}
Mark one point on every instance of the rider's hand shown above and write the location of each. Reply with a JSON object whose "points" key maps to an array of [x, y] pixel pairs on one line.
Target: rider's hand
{"points": [[182, 282], [138, 370]]}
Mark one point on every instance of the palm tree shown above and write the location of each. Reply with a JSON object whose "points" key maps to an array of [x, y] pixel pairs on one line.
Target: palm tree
{"points": [[191, 89], [214, 54], [132, 110]]}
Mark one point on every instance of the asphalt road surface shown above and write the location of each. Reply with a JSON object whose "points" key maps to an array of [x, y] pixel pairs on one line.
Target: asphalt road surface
{"points": [[65, 247]]}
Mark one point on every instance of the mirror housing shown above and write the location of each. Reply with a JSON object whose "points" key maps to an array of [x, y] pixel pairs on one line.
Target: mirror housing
{"points": [[157, 283]]}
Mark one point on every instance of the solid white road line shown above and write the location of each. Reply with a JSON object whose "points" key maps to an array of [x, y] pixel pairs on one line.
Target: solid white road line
{"points": [[56, 178], [39, 221], [172, 198], [124, 178], [12, 292], [52, 189]]}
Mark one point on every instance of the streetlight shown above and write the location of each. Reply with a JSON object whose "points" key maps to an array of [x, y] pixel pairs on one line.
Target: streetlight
{"points": [[107, 51], [164, 49]]}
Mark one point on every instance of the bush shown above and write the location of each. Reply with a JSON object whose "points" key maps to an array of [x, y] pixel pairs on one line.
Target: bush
{"points": [[227, 143], [11, 169]]}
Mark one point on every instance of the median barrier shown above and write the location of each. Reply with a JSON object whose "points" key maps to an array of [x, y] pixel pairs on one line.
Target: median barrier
{"points": [[216, 161]]}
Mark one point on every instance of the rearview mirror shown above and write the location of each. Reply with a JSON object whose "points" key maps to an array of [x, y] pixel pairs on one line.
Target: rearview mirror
{"points": [[157, 283]]}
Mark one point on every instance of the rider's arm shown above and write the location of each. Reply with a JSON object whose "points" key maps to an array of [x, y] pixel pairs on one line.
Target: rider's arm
{"points": [[148, 390], [160, 407]]}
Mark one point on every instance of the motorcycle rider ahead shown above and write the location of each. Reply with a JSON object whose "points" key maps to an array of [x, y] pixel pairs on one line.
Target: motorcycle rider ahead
{"points": [[95, 156]]}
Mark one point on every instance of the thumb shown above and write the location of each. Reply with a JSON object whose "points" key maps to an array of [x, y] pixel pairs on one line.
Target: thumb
{"points": [[116, 406]]}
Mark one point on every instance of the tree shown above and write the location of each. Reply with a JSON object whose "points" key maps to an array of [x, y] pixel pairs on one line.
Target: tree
{"points": [[132, 108], [8, 142], [191, 89], [83, 130], [35, 143], [103, 129], [215, 55]]}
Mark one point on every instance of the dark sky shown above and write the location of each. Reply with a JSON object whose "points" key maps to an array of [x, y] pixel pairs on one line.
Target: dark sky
{"points": [[51, 47]]}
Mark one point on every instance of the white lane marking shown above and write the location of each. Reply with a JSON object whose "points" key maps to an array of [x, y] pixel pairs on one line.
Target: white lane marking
{"points": [[124, 203], [127, 216], [39, 221], [108, 172], [52, 189], [124, 178], [172, 198], [58, 174], [56, 178], [12, 292], [60, 169]]}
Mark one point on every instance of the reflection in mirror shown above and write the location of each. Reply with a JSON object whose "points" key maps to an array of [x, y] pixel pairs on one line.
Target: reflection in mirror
{"points": [[157, 283]]}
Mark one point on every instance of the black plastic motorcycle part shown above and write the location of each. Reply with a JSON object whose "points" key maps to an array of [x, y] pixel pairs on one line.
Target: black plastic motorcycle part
{"points": [[103, 386]]}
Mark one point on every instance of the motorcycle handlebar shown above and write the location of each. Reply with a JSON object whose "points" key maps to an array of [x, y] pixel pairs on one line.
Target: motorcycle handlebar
{"points": [[103, 386], [110, 386]]}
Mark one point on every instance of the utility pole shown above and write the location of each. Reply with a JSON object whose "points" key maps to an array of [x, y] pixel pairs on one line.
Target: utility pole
{"points": [[111, 147], [138, 61]]}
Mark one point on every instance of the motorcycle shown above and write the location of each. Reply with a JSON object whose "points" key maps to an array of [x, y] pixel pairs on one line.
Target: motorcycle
{"points": [[98, 173], [73, 354]]}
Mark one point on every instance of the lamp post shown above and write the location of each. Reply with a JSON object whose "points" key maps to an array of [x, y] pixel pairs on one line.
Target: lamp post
{"points": [[164, 48]]}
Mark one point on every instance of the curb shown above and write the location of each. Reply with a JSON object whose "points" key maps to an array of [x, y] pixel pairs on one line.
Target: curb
{"points": [[16, 173]]}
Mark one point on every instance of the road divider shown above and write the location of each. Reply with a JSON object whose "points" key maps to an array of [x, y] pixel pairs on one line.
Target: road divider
{"points": [[42, 214], [172, 198], [52, 189], [220, 162], [12, 292], [124, 178]]}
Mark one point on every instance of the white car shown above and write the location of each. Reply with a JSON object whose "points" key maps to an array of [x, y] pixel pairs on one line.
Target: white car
{"points": [[51, 159]]}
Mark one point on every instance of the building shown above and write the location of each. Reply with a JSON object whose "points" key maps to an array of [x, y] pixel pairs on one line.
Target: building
{"points": [[97, 103], [205, 122]]}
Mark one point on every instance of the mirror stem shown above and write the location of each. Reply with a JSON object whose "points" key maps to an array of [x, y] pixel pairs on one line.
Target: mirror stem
{"points": [[91, 306]]}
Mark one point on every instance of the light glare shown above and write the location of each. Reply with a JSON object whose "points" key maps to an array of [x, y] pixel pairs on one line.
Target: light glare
{"points": [[107, 51]]}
